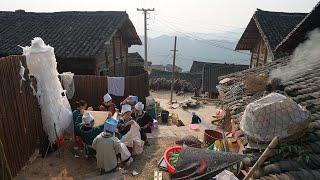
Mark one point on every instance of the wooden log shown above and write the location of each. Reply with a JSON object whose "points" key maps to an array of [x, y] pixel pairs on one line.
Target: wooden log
{"points": [[275, 141]]}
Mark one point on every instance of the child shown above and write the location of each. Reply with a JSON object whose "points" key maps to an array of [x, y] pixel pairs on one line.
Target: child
{"points": [[107, 104], [77, 116], [108, 147], [195, 119]]}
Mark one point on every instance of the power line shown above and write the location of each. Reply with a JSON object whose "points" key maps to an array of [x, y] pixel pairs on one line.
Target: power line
{"points": [[198, 20], [211, 60], [205, 27], [202, 40]]}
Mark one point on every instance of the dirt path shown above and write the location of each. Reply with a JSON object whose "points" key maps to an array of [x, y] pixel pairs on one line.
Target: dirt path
{"points": [[68, 167], [205, 112]]}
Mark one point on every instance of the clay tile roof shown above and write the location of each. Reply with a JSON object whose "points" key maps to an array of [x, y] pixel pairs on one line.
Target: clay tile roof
{"points": [[298, 34], [271, 26], [72, 34]]}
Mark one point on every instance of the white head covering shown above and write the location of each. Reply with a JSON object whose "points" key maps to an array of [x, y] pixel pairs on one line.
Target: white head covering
{"points": [[107, 98], [139, 106], [87, 118], [125, 108]]}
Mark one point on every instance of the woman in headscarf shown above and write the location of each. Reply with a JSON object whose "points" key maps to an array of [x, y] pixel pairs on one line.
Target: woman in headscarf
{"points": [[107, 104], [88, 132], [125, 121], [144, 120], [109, 148]]}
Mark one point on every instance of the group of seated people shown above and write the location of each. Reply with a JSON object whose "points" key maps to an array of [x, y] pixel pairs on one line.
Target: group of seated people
{"points": [[119, 137]]}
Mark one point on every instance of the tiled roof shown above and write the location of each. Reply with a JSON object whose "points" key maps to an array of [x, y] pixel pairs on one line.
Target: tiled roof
{"points": [[197, 66], [305, 90], [211, 72], [298, 34], [72, 34], [135, 59], [272, 27]]}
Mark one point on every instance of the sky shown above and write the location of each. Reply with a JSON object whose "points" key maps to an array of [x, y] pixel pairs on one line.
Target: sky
{"points": [[172, 16]]}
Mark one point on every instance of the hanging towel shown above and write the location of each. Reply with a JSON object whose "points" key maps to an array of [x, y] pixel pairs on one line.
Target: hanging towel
{"points": [[116, 86]]}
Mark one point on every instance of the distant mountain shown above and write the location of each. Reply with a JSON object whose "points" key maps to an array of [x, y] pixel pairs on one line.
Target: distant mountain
{"points": [[200, 48]]}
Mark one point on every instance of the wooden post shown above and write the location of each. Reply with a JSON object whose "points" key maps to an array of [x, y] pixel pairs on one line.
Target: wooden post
{"points": [[173, 67], [114, 55], [121, 57], [275, 141], [145, 12]]}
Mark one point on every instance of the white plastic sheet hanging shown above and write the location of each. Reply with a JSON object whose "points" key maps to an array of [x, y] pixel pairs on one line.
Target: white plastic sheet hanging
{"points": [[55, 108], [68, 83], [21, 73]]}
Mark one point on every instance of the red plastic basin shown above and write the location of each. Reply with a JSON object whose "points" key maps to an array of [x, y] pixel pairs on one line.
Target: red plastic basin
{"points": [[167, 153]]}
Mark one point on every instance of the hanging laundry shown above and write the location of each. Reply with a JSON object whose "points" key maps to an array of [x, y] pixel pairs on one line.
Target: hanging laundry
{"points": [[116, 85], [68, 83]]}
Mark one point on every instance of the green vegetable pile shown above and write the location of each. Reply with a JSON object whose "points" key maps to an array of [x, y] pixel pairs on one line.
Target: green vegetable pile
{"points": [[173, 159]]}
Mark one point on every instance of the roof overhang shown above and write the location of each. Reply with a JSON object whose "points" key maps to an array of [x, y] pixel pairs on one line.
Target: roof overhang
{"points": [[299, 33]]}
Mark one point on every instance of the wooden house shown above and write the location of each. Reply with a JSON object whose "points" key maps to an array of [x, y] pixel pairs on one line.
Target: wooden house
{"points": [[264, 32], [135, 66], [300, 33], [84, 42]]}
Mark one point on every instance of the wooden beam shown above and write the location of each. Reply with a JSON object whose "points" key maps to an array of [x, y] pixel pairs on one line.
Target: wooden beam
{"points": [[121, 57], [114, 56]]}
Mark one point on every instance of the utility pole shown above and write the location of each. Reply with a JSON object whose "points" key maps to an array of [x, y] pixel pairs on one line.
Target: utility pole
{"points": [[145, 12], [173, 66]]}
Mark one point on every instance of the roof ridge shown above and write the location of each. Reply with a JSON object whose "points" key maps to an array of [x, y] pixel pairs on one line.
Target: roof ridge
{"points": [[65, 12], [282, 12]]}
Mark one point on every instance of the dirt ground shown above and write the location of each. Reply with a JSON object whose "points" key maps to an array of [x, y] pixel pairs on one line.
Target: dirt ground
{"points": [[205, 111], [69, 167]]}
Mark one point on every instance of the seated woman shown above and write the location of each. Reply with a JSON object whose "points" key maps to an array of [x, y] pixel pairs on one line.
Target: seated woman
{"points": [[88, 132], [77, 115], [125, 121], [131, 100], [144, 120], [109, 148], [107, 104]]}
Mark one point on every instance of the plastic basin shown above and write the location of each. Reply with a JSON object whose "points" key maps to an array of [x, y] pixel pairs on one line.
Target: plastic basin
{"points": [[167, 153]]}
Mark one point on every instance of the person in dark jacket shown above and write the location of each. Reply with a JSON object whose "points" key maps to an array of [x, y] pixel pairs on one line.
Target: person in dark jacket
{"points": [[77, 115], [107, 104], [195, 119], [88, 132], [144, 120]]}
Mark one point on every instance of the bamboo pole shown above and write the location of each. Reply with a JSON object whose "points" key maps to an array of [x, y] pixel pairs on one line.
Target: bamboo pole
{"points": [[275, 141]]}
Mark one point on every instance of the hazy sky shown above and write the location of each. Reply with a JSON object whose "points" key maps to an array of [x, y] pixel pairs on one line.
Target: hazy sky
{"points": [[202, 16]]}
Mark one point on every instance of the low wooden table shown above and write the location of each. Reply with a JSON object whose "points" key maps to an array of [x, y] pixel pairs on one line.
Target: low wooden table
{"points": [[99, 117]]}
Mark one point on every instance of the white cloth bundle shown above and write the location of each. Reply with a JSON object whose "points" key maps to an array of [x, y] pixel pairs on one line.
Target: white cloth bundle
{"points": [[133, 139], [55, 108]]}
